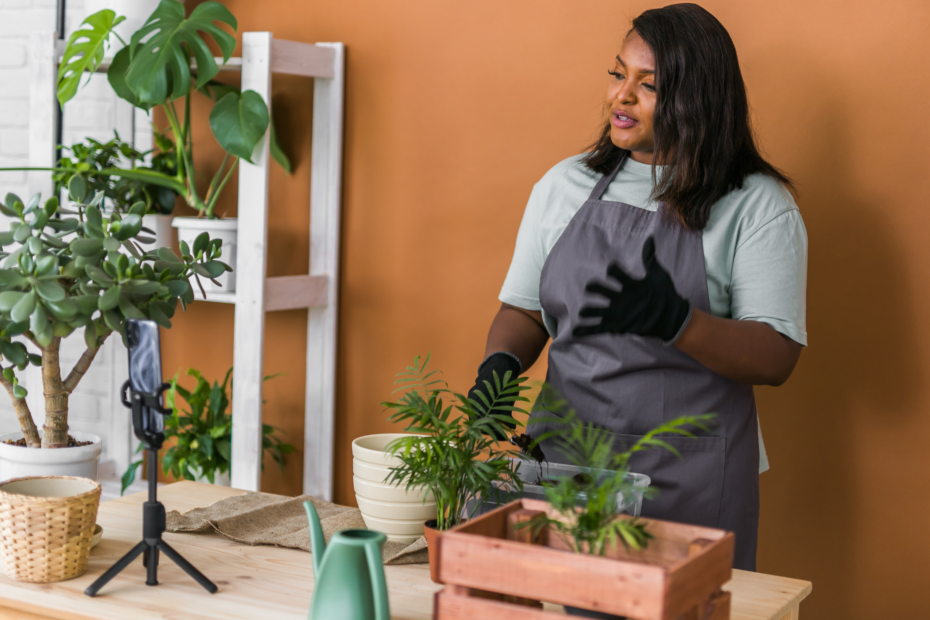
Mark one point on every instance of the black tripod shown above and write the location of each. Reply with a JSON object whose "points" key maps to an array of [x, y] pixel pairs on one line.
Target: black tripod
{"points": [[153, 512]]}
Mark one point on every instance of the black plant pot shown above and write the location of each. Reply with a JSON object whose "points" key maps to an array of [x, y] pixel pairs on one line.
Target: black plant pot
{"points": [[587, 613]]}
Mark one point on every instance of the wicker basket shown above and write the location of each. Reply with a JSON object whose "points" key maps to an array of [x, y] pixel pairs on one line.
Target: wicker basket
{"points": [[47, 526]]}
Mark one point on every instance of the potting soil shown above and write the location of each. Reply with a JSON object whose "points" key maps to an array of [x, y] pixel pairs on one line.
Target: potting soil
{"points": [[72, 442]]}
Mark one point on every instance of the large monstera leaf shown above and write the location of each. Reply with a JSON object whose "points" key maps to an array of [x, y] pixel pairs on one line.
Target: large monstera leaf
{"points": [[239, 122], [218, 90], [84, 52], [162, 48], [116, 76]]}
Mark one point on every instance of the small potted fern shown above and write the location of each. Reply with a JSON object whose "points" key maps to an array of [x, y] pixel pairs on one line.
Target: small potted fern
{"points": [[452, 450], [203, 434]]}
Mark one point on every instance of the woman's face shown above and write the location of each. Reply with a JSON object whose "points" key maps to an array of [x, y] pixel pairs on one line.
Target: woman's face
{"points": [[631, 97]]}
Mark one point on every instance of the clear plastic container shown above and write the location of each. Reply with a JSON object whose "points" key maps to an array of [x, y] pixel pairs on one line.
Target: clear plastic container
{"points": [[531, 473]]}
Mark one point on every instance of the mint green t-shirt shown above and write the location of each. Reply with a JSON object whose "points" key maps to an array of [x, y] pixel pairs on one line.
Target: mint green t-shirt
{"points": [[755, 245]]}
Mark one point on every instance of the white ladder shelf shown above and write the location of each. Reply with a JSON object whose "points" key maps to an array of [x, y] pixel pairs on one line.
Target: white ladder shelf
{"points": [[256, 294]]}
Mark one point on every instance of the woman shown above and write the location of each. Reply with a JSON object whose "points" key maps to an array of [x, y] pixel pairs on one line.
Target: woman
{"points": [[668, 265]]}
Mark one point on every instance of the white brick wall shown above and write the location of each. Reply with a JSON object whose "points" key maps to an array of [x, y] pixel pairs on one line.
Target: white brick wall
{"points": [[17, 19], [14, 113], [94, 407], [14, 142], [19, 22], [12, 55], [90, 113]]}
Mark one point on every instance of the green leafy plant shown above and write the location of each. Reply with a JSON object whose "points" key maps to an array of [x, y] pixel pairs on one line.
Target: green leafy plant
{"points": [[590, 512], [155, 69], [453, 453], [204, 433], [70, 269], [85, 51], [87, 158]]}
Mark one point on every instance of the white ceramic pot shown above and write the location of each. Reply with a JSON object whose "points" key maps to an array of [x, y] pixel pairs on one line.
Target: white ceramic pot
{"points": [[387, 508], [22, 462], [369, 471], [227, 230], [399, 511], [372, 449], [402, 531], [389, 492], [164, 231]]}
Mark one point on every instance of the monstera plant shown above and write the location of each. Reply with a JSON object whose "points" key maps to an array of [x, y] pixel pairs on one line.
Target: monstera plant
{"points": [[169, 59], [81, 270]]}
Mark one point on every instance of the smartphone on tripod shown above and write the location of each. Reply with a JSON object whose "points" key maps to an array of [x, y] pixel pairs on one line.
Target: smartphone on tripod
{"points": [[143, 393], [145, 374]]}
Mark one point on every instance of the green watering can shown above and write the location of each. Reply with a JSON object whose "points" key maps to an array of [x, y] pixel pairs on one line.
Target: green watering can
{"points": [[349, 576]]}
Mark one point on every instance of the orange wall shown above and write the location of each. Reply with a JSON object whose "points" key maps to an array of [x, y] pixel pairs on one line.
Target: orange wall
{"points": [[455, 109]]}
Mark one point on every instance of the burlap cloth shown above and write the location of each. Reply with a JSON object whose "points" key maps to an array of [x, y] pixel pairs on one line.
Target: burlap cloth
{"points": [[266, 519]]}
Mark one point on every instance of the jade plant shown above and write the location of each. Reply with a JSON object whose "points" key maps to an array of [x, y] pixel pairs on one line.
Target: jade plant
{"points": [[203, 434], [590, 506], [454, 452], [166, 60], [67, 270]]}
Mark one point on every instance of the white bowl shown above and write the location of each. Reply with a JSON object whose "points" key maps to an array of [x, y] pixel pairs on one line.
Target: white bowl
{"points": [[395, 527], [371, 449], [370, 471], [389, 492], [407, 511], [49, 487]]}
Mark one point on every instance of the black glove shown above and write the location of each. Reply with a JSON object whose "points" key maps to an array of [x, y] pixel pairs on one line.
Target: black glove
{"points": [[647, 307], [499, 362]]}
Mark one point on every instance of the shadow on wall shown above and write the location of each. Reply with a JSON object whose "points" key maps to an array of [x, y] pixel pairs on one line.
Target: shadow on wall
{"points": [[862, 366]]}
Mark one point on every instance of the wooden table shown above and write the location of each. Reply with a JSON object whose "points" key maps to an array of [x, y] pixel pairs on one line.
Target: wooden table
{"points": [[264, 582]]}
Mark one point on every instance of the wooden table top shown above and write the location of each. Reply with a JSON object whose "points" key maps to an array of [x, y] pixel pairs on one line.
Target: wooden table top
{"points": [[261, 582]]}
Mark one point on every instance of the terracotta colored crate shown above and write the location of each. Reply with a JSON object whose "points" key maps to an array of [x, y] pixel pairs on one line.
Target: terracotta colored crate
{"points": [[679, 575]]}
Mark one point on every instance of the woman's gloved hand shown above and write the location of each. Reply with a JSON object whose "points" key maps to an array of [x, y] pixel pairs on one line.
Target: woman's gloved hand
{"points": [[499, 363], [647, 307]]}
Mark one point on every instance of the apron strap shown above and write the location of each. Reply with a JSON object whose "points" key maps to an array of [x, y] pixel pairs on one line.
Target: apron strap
{"points": [[601, 186]]}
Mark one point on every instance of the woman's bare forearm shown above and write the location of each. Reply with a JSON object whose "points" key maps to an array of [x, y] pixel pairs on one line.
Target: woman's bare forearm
{"points": [[744, 351], [517, 331]]}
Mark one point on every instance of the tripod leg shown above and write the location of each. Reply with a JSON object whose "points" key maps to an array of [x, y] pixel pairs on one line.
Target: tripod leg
{"points": [[186, 566], [151, 566], [116, 569]]}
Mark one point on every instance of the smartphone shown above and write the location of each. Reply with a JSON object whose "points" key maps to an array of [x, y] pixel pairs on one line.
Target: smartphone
{"points": [[145, 367]]}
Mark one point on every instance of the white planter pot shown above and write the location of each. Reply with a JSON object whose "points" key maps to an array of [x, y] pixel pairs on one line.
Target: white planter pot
{"points": [[227, 230], [387, 508], [164, 232], [21, 462]]}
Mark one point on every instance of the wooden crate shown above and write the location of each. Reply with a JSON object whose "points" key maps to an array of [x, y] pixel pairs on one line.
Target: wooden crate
{"points": [[492, 571]]}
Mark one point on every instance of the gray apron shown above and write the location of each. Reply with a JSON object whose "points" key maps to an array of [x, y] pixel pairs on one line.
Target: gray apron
{"points": [[629, 384]]}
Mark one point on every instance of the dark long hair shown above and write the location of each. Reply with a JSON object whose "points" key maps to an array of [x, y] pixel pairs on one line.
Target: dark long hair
{"points": [[701, 123]]}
